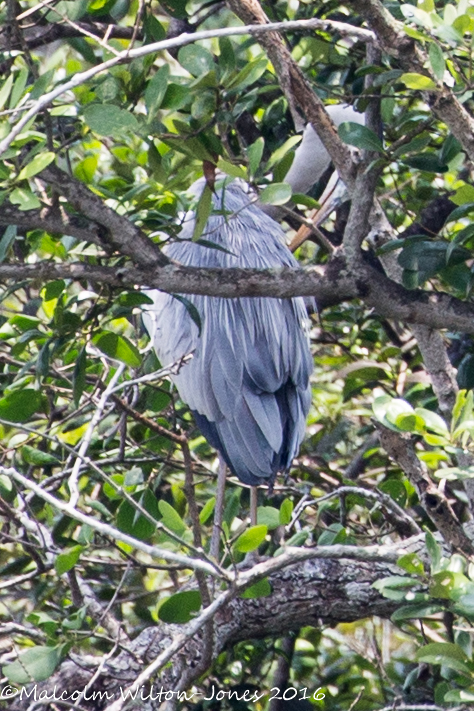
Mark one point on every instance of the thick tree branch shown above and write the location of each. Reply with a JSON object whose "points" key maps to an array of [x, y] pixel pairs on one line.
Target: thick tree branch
{"points": [[330, 285], [122, 234], [308, 593], [358, 223], [53, 221], [40, 35]]}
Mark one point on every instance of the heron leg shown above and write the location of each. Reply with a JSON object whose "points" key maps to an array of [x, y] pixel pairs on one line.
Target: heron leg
{"points": [[218, 509], [253, 505]]}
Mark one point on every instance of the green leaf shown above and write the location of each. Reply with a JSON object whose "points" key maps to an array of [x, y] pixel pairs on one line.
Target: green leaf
{"points": [[428, 162], [396, 413], [85, 169], [461, 211], [254, 154], [235, 171], [18, 87], [260, 589], [196, 60], [43, 621], [203, 210], [109, 120], [176, 8], [156, 90], [132, 522], [297, 539], [393, 582], [432, 421], [190, 146], [7, 240], [434, 551], [411, 564], [134, 298], [463, 195], [275, 194], [455, 473], [67, 560], [74, 621], [25, 199], [5, 91], [227, 59], [7, 491], [79, 376], [281, 152], [461, 696], [20, 405], [250, 539], [360, 136], [154, 30], [286, 510], [190, 308], [465, 605], [442, 584], [417, 81], [437, 62], [305, 200], [117, 347], [32, 455], [180, 608], [157, 400], [268, 516], [449, 150], [446, 653], [53, 289], [36, 664], [396, 490], [176, 97], [171, 518], [416, 611], [409, 423], [248, 75], [427, 5], [421, 16], [207, 510], [39, 162]]}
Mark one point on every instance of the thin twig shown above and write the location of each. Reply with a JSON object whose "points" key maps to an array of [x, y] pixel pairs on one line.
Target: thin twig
{"points": [[106, 530], [74, 477]]}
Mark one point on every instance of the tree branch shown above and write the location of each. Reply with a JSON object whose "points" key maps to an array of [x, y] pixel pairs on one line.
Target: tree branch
{"points": [[296, 88], [316, 592], [122, 234], [329, 285], [394, 41], [400, 447], [53, 221], [40, 35]]}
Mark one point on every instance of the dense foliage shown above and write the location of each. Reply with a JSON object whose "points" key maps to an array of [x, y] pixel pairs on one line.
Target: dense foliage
{"points": [[90, 426]]}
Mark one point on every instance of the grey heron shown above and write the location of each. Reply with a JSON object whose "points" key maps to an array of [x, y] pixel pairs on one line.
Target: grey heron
{"points": [[248, 383]]}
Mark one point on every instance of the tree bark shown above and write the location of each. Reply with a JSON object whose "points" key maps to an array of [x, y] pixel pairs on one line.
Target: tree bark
{"points": [[315, 592]]}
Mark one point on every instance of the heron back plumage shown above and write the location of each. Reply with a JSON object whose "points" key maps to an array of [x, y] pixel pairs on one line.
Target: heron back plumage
{"points": [[248, 382]]}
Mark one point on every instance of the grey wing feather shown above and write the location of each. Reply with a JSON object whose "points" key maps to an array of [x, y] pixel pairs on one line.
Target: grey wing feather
{"points": [[248, 382]]}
